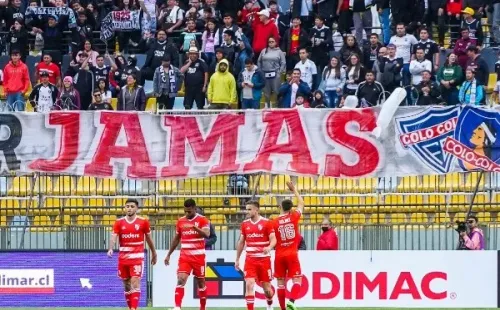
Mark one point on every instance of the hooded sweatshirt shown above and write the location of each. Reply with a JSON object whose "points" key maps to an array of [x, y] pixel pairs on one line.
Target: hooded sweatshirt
{"points": [[264, 31], [16, 78], [222, 87], [272, 60]]}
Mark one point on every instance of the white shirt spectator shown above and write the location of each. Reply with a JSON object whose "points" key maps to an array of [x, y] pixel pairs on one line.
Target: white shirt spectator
{"points": [[404, 46], [307, 70], [416, 69], [295, 87]]}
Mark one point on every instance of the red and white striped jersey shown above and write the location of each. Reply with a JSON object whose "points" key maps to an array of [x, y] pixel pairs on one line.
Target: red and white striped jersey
{"points": [[192, 242], [256, 236], [131, 237]]}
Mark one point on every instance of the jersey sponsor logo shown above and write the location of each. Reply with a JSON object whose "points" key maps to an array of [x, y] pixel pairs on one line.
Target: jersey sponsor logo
{"points": [[424, 135], [255, 235], [189, 232], [131, 236]]}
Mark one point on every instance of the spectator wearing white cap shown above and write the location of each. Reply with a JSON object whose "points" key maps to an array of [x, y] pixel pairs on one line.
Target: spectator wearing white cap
{"points": [[195, 80], [264, 28]]}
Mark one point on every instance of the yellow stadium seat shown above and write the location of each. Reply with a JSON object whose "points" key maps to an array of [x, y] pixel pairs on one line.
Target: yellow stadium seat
{"points": [[458, 202], [3, 221], [352, 201], [217, 219], [107, 187], [74, 206], [312, 201], [414, 201], [64, 186], [442, 218], [263, 185], [336, 218], [398, 218], [377, 218], [332, 201], [117, 206], [108, 220], [279, 183], [484, 217], [214, 202], [96, 206], [408, 184], [430, 183], [326, 185], [10, 207], [347, 186], [268, 200], [52, 206], [41, 220], [438, 200], [84, 220], [418, 218], [167, 186], [43, 185], [86, 186], [492, 81], [471, 179], [451, 182], [305, 184], [367, 185], [316, 218], [356, 219], [151, 105], [21, 186]]}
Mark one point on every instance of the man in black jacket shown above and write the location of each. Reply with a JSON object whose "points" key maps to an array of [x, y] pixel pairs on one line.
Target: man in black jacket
{"points": [[370, 51], [321, 41], [294, 39], [156, 54], [212, 239], [429, 92], [479, 65], [390, 69]]}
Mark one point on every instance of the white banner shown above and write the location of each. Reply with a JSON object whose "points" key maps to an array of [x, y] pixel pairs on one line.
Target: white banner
{"points": [[341, 143], [416, 279]]}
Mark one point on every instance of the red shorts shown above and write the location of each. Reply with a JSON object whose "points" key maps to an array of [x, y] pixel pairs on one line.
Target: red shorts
{"points": [[127, 271], [258, 269], [286, 267], [197, 268]]}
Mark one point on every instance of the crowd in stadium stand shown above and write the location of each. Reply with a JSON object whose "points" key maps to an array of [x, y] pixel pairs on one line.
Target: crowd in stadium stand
{"points": [[237, 54]]}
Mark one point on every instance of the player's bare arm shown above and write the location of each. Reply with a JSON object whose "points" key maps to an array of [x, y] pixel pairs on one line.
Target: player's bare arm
{"points": [[151, 246], [239, 249], [112, 243], [272, 243], [300, 201], [173, 245]]}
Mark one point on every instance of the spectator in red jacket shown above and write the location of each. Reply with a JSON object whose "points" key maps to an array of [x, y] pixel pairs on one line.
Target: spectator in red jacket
{"points": [[16, 82], [263, 28], [328, 240]]}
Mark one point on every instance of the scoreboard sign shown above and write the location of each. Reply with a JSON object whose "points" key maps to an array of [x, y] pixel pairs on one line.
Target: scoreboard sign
{"points": [[61, 279]]}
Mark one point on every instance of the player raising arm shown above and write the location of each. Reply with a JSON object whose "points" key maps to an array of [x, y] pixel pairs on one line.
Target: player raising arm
{"points": [[258, 234], [286, 262], [191, 231], [130, 232]]}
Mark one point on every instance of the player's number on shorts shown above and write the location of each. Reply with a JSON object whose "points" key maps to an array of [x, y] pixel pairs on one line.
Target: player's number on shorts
{"points": [[287, 232]]}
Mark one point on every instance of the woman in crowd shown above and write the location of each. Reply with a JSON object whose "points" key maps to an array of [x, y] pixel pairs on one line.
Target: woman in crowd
{"points": [[355, 74], [18, 38], [91, 54], [131, 96], [334, 78], [102, 86], [349, 48], [272, 62], [69, 98], [208, 39], [449, 77]]}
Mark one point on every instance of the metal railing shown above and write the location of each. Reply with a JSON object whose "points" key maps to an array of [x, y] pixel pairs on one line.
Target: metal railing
{"points": [[351, 237]]}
